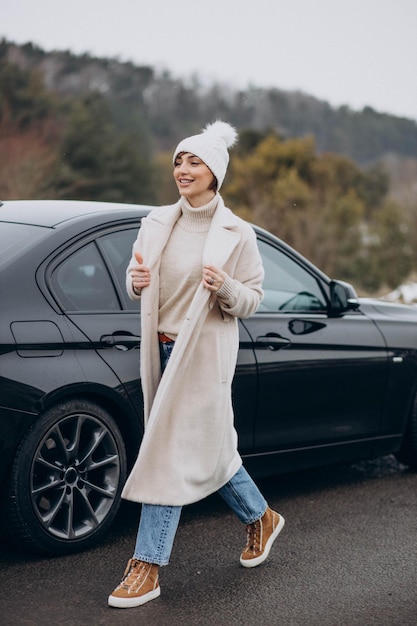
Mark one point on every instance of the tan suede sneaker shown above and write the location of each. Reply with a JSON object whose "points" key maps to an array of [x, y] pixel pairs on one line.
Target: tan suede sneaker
{"points": [[139, 585], [260, 537]]}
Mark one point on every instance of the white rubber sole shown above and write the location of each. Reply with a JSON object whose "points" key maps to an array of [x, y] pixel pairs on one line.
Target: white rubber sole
{"points": [[130, 603], [260, 559]]}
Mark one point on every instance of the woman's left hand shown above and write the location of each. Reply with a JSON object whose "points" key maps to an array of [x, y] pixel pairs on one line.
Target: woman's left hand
{"points": [[213, 278]]}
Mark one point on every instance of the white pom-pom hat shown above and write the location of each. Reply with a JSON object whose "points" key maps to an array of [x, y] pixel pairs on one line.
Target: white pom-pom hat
{"points": [[211, 146]]}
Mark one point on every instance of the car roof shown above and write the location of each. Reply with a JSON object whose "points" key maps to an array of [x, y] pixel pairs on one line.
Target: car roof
{"points": [[51, 213]]}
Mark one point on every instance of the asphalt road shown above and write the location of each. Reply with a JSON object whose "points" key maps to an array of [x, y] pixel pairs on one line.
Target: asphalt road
{"points": [[347, 556]]}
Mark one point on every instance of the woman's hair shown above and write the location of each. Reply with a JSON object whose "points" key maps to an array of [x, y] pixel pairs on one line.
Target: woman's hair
{"points": [[214, 185]]}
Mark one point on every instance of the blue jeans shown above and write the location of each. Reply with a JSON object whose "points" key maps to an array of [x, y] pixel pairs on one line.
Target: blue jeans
{"points": [[165, 350], [158, 523]]}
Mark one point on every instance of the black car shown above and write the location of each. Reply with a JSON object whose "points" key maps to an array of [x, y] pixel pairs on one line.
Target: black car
{"points": [[322, 377]]}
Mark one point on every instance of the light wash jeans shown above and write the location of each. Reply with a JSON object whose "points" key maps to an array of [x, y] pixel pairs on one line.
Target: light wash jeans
{"points": [[158, 524]]}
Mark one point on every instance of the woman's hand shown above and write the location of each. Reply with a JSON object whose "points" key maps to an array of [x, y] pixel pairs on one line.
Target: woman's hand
{"points": [[213, 278], [140, 275]]}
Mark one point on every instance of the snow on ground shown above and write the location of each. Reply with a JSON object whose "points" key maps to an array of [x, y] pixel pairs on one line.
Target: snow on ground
{"points": [[405, 293]]}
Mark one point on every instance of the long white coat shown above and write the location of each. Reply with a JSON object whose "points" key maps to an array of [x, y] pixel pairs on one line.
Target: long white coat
{"points": [[189, 448]]}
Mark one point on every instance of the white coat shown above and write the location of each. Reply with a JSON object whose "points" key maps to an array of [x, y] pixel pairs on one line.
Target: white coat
{"points": [[189, 448]]}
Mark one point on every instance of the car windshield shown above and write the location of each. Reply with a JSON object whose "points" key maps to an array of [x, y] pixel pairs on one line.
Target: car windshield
{"points": [[14, 238]]}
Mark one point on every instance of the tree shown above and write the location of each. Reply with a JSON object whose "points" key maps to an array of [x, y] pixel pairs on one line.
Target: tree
{"points": [[386, 259], [166, 190], [23, 97], [326, 206], [28, 160], [100, 163], [29, 135]]}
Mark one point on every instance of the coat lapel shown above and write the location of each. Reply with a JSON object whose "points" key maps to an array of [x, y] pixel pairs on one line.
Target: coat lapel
{"points": [[222, 237], [157, 232], [221, 240], [153, 238]]}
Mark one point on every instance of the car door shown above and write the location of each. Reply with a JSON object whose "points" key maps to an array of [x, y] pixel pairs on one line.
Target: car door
{"points": [[322, 379], [245, 391], [89, 282]]}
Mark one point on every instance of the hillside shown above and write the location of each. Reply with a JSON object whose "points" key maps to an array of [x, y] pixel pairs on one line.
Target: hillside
{"points": [[163, 108], [336, 184]]}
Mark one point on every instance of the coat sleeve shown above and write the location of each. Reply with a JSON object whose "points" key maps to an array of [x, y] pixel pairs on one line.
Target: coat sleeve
{"points": [[136, 248], [241, 294]]}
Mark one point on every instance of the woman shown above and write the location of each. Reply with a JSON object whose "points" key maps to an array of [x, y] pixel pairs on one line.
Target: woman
{"points": [[197, 269]]}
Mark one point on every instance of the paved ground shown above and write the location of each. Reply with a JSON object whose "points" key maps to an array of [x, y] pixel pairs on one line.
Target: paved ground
{"points": [[346, 557]]}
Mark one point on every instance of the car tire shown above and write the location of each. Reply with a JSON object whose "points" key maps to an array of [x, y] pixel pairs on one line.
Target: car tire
{"points": [[408, 451], [66, 480]]}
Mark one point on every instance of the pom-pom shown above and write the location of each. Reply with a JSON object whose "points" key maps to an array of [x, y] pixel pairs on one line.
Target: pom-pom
{"points": [[223, 130]]}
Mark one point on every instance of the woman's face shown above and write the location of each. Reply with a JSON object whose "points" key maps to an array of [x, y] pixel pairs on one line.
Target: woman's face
{"points": [[193, 179]]}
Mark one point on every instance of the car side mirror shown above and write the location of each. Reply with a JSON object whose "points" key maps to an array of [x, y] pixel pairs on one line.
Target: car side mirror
{"points": [[343, 298]]}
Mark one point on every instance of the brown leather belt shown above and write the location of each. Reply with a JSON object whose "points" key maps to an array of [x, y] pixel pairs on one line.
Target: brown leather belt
{"points": [[164, 338]]}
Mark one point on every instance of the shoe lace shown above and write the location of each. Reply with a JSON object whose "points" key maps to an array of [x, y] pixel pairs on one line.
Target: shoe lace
{"points": [[134, 573], [253, 534]]}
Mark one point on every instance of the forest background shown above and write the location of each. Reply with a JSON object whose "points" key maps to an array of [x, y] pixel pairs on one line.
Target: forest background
{"points": [[338, 185]]}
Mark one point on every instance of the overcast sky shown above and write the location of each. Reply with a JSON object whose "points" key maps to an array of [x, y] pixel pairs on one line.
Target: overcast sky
{"points": [[354, 52]]}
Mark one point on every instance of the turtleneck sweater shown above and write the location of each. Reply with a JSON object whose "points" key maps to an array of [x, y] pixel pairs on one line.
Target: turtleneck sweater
{"points": [[181, 268]]}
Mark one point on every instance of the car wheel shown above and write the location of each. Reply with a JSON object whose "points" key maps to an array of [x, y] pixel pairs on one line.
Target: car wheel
{"points": [[408, 451], [66, 479]]}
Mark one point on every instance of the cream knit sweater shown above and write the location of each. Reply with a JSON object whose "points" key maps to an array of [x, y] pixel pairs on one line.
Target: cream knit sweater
{"points": [[181, 266]]}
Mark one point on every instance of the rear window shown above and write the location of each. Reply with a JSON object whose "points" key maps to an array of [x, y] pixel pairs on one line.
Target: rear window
{"points": [[15, 238]]}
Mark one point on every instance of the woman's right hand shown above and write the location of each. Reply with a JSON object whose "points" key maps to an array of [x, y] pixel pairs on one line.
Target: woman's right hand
{"points": [[140, 274]]}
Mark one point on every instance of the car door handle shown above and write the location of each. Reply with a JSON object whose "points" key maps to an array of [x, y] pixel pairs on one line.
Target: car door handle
{"points": [[120, 341], [272, 341]]}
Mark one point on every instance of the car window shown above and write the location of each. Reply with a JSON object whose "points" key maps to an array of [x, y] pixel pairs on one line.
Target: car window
{"points": [[117, 250], [16, 238], [287, 285], [82, 282]]}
